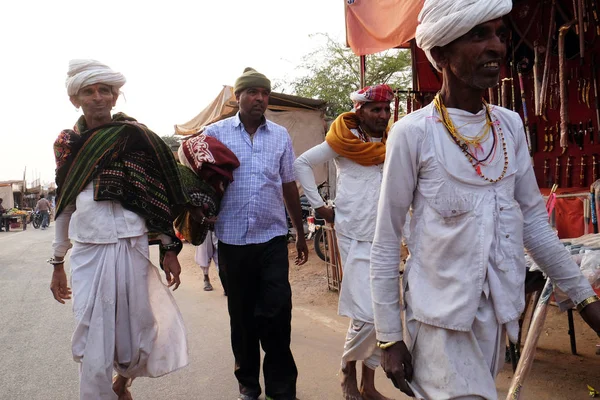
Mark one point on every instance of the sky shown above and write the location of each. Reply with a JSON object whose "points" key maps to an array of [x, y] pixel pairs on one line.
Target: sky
{"points": [[176, 55]]}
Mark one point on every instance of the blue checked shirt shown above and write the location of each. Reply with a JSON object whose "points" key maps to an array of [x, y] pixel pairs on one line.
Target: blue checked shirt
{"points": [[252, 209]]}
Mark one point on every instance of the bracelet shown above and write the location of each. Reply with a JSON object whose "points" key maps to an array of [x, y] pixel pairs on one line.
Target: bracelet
{"points": [[54, 261], [385, 345], [170, 246], [587, 302]]}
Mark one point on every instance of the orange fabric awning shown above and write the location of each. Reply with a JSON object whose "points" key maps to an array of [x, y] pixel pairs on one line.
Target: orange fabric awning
{"points": [[377, 25]]}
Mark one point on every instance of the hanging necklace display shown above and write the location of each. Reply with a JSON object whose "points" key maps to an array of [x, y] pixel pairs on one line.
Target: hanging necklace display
{"points": [[465, 143]]}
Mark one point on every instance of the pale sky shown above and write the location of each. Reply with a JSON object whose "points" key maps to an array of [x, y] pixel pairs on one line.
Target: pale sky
{"points": [[175, 54]]}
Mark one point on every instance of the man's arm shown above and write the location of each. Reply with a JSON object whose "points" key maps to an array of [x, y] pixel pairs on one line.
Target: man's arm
{"points": [[538, 237], [291, 198], [304, 169], [400, 174]]}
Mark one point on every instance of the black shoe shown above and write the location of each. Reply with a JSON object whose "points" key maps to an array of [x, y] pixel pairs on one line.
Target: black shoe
{"points": [[247, 397]]}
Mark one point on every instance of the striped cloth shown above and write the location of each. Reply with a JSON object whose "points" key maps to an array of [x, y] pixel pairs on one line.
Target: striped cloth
{"points": [[128, 163]]}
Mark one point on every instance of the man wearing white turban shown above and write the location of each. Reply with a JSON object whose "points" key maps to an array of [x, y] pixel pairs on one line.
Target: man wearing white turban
{"points": [[118, 187], [464, 167], [83, 73]]}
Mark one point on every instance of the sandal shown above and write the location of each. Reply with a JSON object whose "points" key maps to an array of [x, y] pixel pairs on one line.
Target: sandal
{"points": [[207, 286]]}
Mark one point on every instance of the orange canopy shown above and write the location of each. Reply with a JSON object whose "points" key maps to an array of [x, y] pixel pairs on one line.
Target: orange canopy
{"points": [[374, 26]]}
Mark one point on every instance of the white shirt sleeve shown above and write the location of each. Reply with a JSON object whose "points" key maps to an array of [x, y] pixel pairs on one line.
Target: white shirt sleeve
{"points": [[303, 167], [61, 243], [400, 174], [538, 237]]}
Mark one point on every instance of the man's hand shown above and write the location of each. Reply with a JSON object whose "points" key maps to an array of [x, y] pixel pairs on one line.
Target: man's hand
{"points": [[396, 361], [302, 250], [591, 315], [199, 214], [58, 285], [172, 269], [326, 213]]}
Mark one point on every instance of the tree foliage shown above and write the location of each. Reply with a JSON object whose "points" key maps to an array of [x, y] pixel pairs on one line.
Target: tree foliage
{"points": [[333, 72]]}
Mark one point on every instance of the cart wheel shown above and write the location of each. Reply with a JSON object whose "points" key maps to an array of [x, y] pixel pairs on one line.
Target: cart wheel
{"points": [[320, 245]]}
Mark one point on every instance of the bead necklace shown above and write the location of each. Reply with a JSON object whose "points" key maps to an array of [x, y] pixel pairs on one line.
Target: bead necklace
{"points": [[363, 135], [497, 132], [459, 139]]}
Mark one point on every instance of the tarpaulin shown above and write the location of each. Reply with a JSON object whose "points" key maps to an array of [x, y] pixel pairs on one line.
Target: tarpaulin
{"points": [[377, 25], [569, 213]]}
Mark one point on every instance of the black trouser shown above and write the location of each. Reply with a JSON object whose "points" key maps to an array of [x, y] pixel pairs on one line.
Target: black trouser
{"points": [[259, 299]]}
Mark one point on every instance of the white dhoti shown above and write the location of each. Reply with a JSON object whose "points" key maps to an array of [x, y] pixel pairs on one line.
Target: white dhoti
{"points": [[207, 251], [451, 364], [355, 302], [127, 319]]}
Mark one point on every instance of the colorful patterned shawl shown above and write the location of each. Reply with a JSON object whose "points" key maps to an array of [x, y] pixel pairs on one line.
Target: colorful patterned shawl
{"points": [[206, 171], [127, 163]]}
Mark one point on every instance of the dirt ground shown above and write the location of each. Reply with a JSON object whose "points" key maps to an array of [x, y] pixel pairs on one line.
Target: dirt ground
{"points": [[556, 373]]}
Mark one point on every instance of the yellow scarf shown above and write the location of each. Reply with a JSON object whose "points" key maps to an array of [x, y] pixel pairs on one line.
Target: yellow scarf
{"points": [[346, 144]]}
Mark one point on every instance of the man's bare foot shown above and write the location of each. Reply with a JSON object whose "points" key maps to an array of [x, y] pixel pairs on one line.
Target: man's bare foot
{"points": [[121, 387], [349, 382], [367, 385], [373, 395]]}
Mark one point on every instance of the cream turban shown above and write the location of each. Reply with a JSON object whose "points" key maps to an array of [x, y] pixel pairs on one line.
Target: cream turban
{"points": [[443, 21], [83, 73]]}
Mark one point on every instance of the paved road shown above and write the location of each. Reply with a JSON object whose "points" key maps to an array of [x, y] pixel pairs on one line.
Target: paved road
{"points": [[35, 355]]}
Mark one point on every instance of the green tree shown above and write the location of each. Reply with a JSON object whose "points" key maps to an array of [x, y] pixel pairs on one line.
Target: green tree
{"points": [[333, 72]]}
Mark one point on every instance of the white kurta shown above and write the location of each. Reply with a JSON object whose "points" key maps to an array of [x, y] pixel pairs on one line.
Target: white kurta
{"points": [[127, 319], [357, 194], [467, 235]]}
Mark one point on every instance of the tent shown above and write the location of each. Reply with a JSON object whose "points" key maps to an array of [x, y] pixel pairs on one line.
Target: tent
{"points": [[369, 29], [303, 118], [6, 194]]}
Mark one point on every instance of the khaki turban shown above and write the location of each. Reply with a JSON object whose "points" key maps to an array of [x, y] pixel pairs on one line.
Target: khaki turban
{"points": [[443, 21], [251, 78], [83, 73]]}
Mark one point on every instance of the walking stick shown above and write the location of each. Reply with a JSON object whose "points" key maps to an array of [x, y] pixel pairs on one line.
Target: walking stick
{"points": [[533, 335], [564, 116], [522, 87], [546, 75]]}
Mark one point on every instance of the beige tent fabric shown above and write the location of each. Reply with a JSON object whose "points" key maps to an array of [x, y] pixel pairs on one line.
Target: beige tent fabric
{"points": [[6, 193], [307, 129], [223, 106], [305, 126]]}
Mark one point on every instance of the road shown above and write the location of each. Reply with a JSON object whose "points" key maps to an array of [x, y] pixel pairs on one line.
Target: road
{"points": [[35, 333]]}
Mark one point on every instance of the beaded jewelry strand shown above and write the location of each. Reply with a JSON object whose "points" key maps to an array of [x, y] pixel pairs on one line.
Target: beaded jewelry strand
{"points": [[464, 144]]}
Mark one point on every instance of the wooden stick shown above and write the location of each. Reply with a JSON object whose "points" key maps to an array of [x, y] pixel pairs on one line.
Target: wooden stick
{"points": [[536, 78], [564, 90], [582, 30], [527, 356], [544, 89]]}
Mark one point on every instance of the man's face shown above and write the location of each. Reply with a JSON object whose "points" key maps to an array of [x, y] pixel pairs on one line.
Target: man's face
{"points": [[96, 100], [375, 116], [253, 101], [475, 57]]}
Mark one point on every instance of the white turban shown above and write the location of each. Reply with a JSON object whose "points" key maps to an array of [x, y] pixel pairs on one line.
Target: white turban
{"points": [[83, 73], [443, 21]]}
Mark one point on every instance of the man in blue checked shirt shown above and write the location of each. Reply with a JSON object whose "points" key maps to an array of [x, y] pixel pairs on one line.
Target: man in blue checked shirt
{"points": [[251, 228]]}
